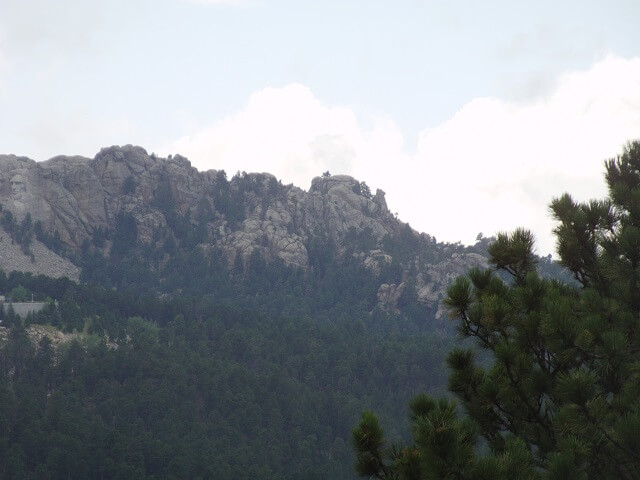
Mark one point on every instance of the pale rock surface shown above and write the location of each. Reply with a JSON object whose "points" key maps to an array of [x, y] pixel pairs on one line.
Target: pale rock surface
{"points": [[76, 195], [376, 260], [45, 261], [431, 286], [58, 338], [389, 295]]}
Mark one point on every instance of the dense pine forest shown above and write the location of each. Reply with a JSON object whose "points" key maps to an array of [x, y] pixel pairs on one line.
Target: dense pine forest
{"points": [[170, 360], [263, 378]]}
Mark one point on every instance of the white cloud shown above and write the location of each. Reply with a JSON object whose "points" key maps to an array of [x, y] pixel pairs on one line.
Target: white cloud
{"points": [[290, 133], [499, 164], [494, 165]]}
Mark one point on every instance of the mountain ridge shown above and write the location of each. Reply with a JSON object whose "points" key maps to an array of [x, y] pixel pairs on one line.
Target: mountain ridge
{"points": [[80, 203], [257, 318]]}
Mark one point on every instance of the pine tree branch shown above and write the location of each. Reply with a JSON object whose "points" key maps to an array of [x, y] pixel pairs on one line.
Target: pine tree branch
{"points": [[534, 416], [604, 433]]}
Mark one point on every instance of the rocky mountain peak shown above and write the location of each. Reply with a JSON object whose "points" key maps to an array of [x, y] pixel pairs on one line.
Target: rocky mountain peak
{"points": [[80, 202]]}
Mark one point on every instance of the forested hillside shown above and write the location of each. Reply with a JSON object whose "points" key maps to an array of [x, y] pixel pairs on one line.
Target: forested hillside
{"points": [[201, 386], [215, 328], [132, 220]]}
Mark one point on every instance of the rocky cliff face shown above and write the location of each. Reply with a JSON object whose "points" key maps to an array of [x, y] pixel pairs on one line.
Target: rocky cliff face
{"points": [[75, 196], [41, 259], [79, 199]]}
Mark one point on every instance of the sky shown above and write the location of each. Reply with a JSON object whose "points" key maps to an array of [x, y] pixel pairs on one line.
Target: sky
{"points": [[471, 116]]}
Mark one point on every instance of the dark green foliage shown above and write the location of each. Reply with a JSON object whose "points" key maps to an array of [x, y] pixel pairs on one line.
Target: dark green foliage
{"points": [[9, 317], [163, 196], [360, 241], [52, 242], [254, 370], [251, 370], [229, 197], [125, 235], [98, 236], [254, 382], [513, 253], [18, 294], [322, 252], [129, 185], [23, 232], [404, 245], [562, 397], [361, 188], [20, 232], [413, 308], [367, 439], [180, 225]]}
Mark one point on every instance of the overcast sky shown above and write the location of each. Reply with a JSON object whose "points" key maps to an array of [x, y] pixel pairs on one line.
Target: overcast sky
{"points": [[470, 115]]}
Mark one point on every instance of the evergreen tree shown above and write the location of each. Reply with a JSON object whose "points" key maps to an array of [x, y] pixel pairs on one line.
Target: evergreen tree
{"points": [[562, 397]]}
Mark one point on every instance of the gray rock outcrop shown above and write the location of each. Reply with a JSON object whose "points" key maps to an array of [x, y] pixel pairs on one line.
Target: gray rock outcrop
{"points": [[44, 261], [76, 198]]}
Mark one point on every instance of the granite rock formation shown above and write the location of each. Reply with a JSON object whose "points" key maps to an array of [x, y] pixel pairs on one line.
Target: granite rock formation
{"points": [[76, 198]]}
